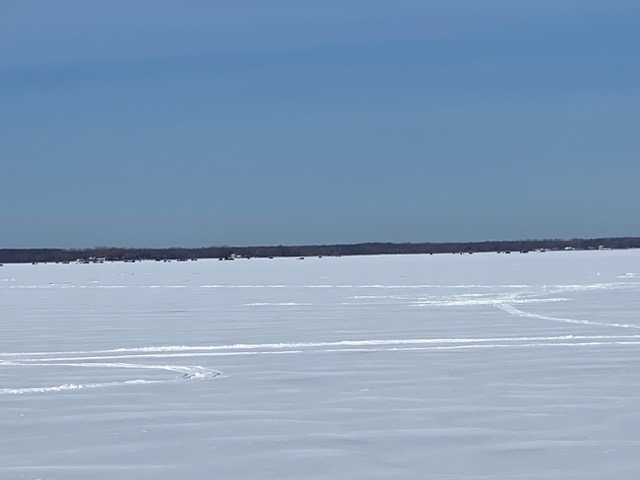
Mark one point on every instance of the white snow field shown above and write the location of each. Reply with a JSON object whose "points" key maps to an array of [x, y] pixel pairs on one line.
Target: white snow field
{"points": [[485, 366]]}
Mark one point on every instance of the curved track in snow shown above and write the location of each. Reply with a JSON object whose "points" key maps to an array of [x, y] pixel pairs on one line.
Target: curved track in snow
{"points": [[43, 359]]}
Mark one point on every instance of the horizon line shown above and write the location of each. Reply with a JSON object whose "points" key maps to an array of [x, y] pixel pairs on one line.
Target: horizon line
{"points": [[310, 245]]}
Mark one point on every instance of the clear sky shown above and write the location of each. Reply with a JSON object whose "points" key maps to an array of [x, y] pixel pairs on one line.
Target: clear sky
{"points": [[201, 122]]}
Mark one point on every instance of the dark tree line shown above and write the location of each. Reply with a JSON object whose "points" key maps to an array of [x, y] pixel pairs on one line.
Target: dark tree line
{"points": [[127, 254]]}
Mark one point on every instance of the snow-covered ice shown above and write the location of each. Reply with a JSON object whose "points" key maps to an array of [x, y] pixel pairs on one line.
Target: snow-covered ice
{"points": [[480, 366]]}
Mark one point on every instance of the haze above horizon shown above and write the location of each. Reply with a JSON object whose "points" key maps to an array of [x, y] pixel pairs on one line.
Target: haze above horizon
{"points": [[156, 124]]}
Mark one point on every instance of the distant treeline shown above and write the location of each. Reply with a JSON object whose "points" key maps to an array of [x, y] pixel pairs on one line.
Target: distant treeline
{"points": [[127, 254]]}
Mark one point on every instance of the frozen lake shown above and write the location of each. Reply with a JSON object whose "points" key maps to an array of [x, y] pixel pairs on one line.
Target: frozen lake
{"points": [[452, 367]]}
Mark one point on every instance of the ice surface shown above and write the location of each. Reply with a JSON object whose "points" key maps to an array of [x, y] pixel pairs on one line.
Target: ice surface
{"points": [[480, 366]]}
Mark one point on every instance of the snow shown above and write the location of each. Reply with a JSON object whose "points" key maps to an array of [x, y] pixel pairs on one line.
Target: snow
{"points": [[481, 366]]}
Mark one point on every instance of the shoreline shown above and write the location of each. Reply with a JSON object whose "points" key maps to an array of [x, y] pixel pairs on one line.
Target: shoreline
{"points": [[115, 254]]}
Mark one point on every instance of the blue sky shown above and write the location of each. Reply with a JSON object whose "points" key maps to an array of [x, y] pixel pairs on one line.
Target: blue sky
{"points": [[196, 123]]}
